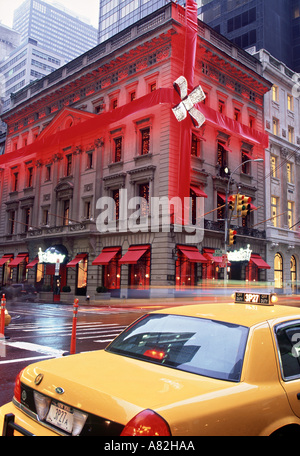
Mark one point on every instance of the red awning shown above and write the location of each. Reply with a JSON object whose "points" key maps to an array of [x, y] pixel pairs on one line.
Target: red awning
{"points": [[107, 254], [134, 253], [199, 136], [225, 147], [222, 196], [32, 263], [259, 262], [198, 191], [192, 253], [214, 259], [76, 260], [5, 259], [248, 155], [19, 258]]}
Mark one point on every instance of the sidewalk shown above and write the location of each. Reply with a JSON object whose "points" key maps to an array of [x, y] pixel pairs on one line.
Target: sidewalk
{"points": [[144, 302]]}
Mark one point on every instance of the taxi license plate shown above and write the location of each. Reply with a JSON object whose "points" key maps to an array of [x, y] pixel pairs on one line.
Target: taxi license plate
{"points": [[61, 416]]}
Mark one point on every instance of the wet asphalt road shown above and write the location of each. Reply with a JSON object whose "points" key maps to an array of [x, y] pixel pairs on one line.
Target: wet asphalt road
{"points": [[43, 331]]}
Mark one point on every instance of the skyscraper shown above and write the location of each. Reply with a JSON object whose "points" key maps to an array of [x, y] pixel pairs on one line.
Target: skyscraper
{"points": [[116, 15], [54, 29], [258, 24]]}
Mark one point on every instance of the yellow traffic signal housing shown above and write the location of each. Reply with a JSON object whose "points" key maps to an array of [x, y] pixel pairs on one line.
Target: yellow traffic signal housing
{"points": [[232, 237], [239, 202], [246, 206], [232, 202]]}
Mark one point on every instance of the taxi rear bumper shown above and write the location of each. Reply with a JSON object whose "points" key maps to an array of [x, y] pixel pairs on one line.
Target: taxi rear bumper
{"points": [[15, 422]]}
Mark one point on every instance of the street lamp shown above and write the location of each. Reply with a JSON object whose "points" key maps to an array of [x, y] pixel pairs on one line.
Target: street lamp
{"points": [[258, 160]]}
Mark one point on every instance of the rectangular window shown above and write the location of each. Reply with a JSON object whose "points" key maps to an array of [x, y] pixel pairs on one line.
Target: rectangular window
{"points": [[66, 212], [47, 173], [290, 102], [275, 93], [273, 166], [89, 160], [11, 222], [274, 210], [116, 198], [69, 165], [289, 173], [144, 193], [87, 210], [81, 276], [26, 219], [117, 149], [45, 217], [29, 177], [275, 124], [195, 150], [291, 134], [237, 114], [221, 106], [15, 182], [145, 141], [222, 159], [291, 218], [245, 166]]}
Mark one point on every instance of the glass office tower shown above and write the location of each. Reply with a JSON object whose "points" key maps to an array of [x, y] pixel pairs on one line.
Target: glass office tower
{"points": [[257, 24], [116, 15], [54, 29]]}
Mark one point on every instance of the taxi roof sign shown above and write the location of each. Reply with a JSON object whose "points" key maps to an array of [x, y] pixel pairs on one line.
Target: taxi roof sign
{"points": [[264, 299]]}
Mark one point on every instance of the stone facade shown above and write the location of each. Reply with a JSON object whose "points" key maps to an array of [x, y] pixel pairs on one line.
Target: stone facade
{"points": [[103, 123]]}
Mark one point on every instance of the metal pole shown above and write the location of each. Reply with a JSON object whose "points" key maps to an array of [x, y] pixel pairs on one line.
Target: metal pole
{"points": [[2, 320], [73, 337], [226, 211]]}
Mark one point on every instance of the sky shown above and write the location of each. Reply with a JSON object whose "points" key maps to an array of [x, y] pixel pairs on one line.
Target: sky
{"points": [[87, 8]]}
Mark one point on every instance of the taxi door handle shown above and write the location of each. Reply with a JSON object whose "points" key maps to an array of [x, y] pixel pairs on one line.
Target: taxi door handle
{"points": [[298, 396]]}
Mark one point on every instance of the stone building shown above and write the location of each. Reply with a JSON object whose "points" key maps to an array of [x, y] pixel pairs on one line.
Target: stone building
{"points": [[282, 110], [94, 155]]}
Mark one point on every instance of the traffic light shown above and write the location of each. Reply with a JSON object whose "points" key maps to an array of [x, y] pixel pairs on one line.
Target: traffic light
{"points": [[232, 237], [232, 202], [239, 202], [243, 205], [246, 206]]}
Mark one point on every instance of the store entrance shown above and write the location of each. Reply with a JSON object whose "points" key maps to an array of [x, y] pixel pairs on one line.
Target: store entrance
{"points": [[236, 271]]}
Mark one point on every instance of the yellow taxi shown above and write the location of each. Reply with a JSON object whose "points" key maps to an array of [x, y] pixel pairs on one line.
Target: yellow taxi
{"points": [[216, 369]]}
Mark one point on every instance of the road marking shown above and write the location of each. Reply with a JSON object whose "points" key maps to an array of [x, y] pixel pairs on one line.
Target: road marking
{"points": [[20, 360], [36, 348], [103, 340]]}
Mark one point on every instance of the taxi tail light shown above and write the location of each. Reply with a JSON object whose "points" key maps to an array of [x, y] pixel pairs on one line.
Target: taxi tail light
{"points": [[17, 390], [146, 423], [42, 404]]}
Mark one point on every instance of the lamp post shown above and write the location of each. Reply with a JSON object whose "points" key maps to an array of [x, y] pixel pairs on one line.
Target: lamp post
{"points": [[258, 160]]}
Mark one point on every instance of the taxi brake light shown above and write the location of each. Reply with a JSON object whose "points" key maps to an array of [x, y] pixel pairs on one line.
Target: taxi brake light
{"points": [[155, 354], [17, 390], [146, 423]]}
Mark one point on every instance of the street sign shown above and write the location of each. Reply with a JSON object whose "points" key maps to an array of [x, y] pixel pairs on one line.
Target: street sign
{"points": [[218, 253]]}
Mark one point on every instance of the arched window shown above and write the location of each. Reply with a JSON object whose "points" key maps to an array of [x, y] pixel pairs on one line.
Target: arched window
{"points": [[293, 273], [278, 271]]}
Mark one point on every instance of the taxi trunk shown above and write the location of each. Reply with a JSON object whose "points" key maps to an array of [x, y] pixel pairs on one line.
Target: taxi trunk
{"points": [[112, 388]]}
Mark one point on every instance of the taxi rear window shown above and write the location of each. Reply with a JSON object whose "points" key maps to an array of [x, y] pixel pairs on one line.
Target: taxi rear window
{"points": [[197, 345]]}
